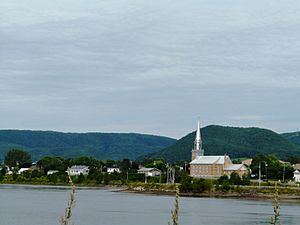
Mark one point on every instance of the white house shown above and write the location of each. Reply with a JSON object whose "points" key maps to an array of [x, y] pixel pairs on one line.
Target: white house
{"points": [[150, 172], [22, 170], [113, 169], [77, 170], [297, 175], [52, 172]]}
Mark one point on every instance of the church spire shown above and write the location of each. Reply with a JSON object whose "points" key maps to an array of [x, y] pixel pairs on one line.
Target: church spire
{"points": [[197, 151], [198, 141]]}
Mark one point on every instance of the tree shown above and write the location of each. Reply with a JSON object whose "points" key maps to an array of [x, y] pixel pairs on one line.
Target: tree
{"points": [[53, 178], [186, 184], [223, 179], [16, 157], [52, 163], [235, 179], [223, 183], [201, 185], [246, 180], [3, 171], [272, 166], [125, 165], [80, 179]]}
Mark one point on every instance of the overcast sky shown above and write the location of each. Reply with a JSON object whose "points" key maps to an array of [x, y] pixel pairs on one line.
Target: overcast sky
{"points": [[149, 66]]}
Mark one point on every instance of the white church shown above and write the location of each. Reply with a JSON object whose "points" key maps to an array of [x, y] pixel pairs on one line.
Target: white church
{"points": [[203, 166]]}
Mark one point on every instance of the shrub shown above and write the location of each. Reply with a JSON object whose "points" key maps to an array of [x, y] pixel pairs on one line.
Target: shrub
{"points": [[235, 179]]}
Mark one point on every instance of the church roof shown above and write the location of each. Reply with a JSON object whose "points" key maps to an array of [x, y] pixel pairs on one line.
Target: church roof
{"points": [[234, 167], [219, 159]]}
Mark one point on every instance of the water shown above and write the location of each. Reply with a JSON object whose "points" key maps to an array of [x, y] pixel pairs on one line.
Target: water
{"points": [[31, 205]]}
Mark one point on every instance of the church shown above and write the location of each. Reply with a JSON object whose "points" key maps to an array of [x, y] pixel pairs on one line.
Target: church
{"points": [[212, 166]]}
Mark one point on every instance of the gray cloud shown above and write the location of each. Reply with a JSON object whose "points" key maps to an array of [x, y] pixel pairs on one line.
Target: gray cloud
{"points": [[151, 67]]}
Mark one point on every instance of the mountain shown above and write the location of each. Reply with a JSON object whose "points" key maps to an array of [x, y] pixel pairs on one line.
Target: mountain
{"points": [[234, 141], [293, 137], [100, 145]]}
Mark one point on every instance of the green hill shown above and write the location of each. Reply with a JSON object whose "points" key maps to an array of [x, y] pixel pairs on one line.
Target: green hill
{"points": [[236, 142], [100, 145], [293, 137]]}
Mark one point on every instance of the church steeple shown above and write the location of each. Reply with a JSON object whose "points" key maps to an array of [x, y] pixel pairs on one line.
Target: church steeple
{"points": [[198, 141], [197, 151]]}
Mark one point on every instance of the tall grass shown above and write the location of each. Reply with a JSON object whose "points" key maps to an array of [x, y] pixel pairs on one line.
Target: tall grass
{"points": [[275, 217], [65, 219], [175, 212]]}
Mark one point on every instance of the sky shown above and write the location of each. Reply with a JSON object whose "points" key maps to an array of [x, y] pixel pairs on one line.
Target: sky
{"points": [[152, 67]]}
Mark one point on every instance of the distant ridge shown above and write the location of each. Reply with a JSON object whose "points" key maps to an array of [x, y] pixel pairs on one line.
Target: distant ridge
{"points": [[293, 137], [99, 145], [234, 141]]}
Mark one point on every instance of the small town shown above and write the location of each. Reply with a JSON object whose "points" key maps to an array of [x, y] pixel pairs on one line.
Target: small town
{"points": [[138, 112], [204, 174]]}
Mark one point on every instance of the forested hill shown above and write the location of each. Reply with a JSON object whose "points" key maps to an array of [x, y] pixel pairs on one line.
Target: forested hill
{"points": [[236, 142], [100, 145], [293, 137]]}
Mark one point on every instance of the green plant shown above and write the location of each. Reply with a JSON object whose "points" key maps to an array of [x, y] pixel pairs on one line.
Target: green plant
{"points": [[275, 217], [65, 219], [175, 212]]}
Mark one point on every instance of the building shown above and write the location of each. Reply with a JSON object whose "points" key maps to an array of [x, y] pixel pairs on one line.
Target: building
{"points": [[297, 176], [51, 172], [247, 162], [296, 166], [113, 170], [212, 166], [77, 170], [150, 172], [22, 170]]}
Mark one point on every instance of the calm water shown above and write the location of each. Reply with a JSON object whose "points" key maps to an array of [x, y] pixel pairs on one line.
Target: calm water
{"points": [[27, 205]]}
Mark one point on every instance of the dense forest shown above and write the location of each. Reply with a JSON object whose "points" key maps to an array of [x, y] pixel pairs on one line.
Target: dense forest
{"points": [[236, 142], [71, 145], [293, 137]]}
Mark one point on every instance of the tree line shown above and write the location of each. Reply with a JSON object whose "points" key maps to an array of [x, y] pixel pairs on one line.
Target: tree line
{"points": [[270, 168]]}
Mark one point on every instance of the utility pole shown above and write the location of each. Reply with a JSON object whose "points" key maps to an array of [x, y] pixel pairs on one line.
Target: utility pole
{"points": [[259, 173], [283, 172], [266, 167], [171, 175], [266, 171]]}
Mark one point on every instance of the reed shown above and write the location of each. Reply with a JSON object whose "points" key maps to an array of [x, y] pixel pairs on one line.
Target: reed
{"points": [[175, 212], [275, 217], [65, 219]]}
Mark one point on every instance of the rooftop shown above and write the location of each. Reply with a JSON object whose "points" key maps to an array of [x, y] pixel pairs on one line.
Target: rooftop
{"points": [[79, 167], [148, 169], [236, 167], [219, 159]]}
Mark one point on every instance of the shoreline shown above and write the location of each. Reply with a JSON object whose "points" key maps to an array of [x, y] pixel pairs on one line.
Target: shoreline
{"points": [[229, 195], [249, 194], [62, 186]]}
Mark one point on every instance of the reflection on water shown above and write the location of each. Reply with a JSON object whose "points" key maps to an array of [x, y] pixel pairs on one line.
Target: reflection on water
{"points": [[28, 205]]}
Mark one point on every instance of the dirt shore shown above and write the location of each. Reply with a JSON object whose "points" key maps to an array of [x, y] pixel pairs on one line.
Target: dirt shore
{"points": [[235, 195]]}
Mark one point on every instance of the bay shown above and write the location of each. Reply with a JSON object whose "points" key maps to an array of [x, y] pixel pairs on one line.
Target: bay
{"points": [[43, 205]]}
